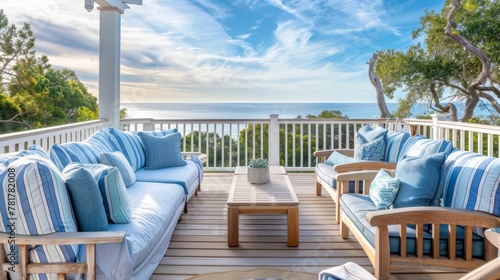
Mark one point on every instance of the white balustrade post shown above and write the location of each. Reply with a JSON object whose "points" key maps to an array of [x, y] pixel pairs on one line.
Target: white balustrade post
{"points": [[436, 131], [274, 140]]}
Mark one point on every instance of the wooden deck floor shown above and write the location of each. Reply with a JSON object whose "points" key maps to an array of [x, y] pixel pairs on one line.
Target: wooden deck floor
{"points": [[199, 244]]}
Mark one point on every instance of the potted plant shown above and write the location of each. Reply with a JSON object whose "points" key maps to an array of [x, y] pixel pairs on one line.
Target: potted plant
{"points": [[258, 171]]}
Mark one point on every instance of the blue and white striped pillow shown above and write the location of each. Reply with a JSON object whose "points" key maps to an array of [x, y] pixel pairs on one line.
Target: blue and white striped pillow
{"points": [[421, 146], [395, 141], [472, 182], [42, 206], [79, 152], [102, 141], [118, 160], [130, 145], [113, 192]]}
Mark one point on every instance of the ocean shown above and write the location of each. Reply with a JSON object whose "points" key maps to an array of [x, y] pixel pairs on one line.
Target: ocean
{"points": [[250, 110]]}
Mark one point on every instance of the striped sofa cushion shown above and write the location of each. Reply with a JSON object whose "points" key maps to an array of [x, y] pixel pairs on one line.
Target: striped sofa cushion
{"points": [[102, 142], [39, 204], [472, 182], [80, 152], [421, 146], [130, 145], [394, 143], [113, 192]]}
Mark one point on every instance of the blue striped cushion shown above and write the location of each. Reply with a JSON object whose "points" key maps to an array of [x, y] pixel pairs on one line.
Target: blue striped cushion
{"points": [[118, 160], [421, 146], [472, 182], [102, 141], [395, 141], [131, 146], [113, 192], [42, 206], [80, 152]]}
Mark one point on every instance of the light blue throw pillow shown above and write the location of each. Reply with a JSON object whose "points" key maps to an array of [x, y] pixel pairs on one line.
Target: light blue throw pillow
{"points": [[420, 178], [85, 198], [159, 133], [384, 189], [118, 160], [338, 158], [113, 192], [371, 151], [162, 152]]}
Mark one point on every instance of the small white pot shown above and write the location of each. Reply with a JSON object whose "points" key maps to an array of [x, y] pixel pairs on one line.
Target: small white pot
{"points": [[258, 175]]}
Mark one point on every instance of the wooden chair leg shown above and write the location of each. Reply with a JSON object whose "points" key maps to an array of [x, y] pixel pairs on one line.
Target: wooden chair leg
{"points": [[344, 230], [318, 188], [186, 208]]}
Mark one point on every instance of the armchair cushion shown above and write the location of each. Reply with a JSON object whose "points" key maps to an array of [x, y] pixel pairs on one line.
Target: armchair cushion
{"points": [[372, 151], [338, 158], [421, 146], [326, 173], [162, 152], [118, 160], [356, 206], [383, 189], [394, 144], [472, 182], [420, 179]]}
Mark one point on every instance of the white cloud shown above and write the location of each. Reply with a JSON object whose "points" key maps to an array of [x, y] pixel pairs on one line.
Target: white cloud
{"points": [[183, 50]]}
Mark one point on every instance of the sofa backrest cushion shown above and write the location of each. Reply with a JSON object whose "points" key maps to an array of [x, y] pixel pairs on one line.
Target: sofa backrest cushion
{"points": [[472, 181], [102, 142], [419, 180], [130, 145], [35, 197], [85, 198], [394, 143], [79, 152], [113, 192], [421, 146], [33, 151]]}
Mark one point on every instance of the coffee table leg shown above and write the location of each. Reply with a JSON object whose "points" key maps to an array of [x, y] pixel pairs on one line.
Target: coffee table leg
{"points": [[233, 226], [293, 226]]}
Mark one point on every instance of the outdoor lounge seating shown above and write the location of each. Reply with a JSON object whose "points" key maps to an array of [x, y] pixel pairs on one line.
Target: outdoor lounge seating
{"points": [[441, 214], [141, 200], [394, 146]]}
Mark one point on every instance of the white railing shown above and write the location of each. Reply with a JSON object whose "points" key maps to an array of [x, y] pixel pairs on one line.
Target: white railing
{"points": [[230, 142], [289, 142], [46, 137]]}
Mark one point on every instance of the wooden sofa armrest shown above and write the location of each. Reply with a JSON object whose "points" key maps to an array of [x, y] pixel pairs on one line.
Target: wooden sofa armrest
{"points": [[363, 165], [435, 216], [365, 176], [24, 268], [188, 155]]}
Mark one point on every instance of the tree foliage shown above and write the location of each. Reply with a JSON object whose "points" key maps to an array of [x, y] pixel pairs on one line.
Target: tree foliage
{"points": [[32, 93], [438, 70]]}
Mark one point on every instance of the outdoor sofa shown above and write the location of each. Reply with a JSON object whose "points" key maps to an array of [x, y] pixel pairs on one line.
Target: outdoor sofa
{"points": [[432, 214], [126, 209]]}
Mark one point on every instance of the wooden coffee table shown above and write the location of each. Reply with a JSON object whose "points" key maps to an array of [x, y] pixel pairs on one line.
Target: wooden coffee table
{"points": [[275, 197]]}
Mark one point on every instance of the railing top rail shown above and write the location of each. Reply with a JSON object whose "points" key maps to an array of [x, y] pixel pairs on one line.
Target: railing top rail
{"points": [[51, 130], [470, 126]]}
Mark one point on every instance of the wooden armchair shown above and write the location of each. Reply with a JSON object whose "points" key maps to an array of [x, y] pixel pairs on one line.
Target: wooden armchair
{"points": [[25, 268], [420, 217], [332, 189]]}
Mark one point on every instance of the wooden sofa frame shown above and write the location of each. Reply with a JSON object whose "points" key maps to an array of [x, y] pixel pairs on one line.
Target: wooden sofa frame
{"points": [[25, 268], [380, 256], [321, 156]]}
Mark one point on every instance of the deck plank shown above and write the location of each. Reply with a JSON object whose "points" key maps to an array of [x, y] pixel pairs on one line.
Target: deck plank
{"points": [[199, 243]]}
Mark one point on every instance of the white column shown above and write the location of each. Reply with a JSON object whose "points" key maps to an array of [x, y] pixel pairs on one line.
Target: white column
{"points": [[436, 131], [109, 66], [274, 140]]}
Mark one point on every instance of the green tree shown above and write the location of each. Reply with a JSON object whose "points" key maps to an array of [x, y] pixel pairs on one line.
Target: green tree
{"points": [[33, 93], [441, 71]]}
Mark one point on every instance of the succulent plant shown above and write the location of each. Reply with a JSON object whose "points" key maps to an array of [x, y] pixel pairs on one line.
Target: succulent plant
{"points": [[259, 163]]}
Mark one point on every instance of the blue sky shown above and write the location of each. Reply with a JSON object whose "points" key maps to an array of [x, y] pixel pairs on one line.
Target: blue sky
{"points": [[230, 51]]}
